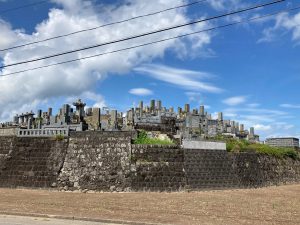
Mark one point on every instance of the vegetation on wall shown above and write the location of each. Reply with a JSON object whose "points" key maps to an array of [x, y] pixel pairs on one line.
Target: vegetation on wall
{"points": [[59, 137], [246, 146], [143, 139]]}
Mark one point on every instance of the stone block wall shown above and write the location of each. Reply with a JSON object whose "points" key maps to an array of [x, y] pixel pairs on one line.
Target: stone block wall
{"points": [[107, 161], [97, 161], [256, 170], [157, 168], [207, 169], [30, 162], [6, 147]]}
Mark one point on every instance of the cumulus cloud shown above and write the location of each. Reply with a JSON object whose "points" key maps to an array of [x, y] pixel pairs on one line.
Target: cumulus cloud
{"points": [[97, 100], [7, 35], [237, 100], [141, 91], [73, 79], [186, 79]]}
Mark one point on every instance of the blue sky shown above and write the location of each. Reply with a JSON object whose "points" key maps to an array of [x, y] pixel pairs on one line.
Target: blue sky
{"points": [[251, 72]]}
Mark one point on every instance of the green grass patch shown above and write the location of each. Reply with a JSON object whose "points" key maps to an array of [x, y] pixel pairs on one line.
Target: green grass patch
{"points": [[233, 145], [59, 137], [143, 139]]}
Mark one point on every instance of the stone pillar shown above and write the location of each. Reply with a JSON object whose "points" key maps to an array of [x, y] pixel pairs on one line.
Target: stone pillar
{"points": [[16, 119], [39, 113], [114, 119], [252, 131], [158, 105], [220, 116], [187, 108], [49, 112], [96, 112], [21, 119], [26, 118], [152, 105], [141, 106], [201, 111], [29, 124], [237, 126], [242, 128], [179, 110]]}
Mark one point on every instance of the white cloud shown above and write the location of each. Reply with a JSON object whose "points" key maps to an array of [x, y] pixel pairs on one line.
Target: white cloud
{"points": [[224, 4], [233, 101], [96, 99], [186, 79], [7, 35], [141, 91], [195, 97], [79, 77], [290, 106], [253, 105], [283, 22], [267, 122], [261, 127]]}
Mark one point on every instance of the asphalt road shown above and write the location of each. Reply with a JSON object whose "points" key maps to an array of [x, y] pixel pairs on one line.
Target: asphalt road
{"points": [[20, 220]]}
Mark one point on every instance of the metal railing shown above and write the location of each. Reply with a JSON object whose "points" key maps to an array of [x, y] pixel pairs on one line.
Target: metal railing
{"points": [[43, 132]]}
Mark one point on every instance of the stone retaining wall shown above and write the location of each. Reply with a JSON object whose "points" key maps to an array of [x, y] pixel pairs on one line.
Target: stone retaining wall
{"points": [[207, 169], [157, 168], [30, 162], [97, 161], [107, 161]]}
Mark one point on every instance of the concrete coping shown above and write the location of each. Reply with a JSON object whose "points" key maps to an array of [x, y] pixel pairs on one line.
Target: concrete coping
{"points": [[155, 146]]}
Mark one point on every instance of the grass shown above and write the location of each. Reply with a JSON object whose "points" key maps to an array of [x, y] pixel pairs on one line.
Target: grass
{"points": [[233, 145], [143, 139], [59, 137]]}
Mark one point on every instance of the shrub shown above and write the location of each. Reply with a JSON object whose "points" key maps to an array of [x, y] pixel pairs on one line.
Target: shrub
{"points": [[145, 140], [233, 145]]}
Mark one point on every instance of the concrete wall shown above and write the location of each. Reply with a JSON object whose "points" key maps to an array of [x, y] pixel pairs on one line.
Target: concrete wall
{"points": [[8, 131], [205, 145]]}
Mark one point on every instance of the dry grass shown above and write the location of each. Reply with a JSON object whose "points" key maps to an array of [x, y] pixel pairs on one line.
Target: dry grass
{"points": [[274, 205]]}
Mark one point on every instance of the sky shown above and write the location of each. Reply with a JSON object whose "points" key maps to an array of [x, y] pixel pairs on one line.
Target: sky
{"points": [[249, 71]]}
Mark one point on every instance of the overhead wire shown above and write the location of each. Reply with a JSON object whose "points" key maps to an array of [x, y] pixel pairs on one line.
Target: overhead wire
{"points": [[104, 25], [141, 35], [155, 42], [23, 6]]}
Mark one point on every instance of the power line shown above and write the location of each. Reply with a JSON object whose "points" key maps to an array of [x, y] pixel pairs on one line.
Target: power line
{"points": [[154, 42], [105, 25], [142, 35], [23, 6]]}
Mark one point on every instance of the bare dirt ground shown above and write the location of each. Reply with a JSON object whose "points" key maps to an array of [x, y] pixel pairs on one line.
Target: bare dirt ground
{"points": [[274, 205]]}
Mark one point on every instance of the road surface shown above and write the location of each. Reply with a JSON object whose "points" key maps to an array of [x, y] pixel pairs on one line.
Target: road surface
{"points": [[21, 220]]}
